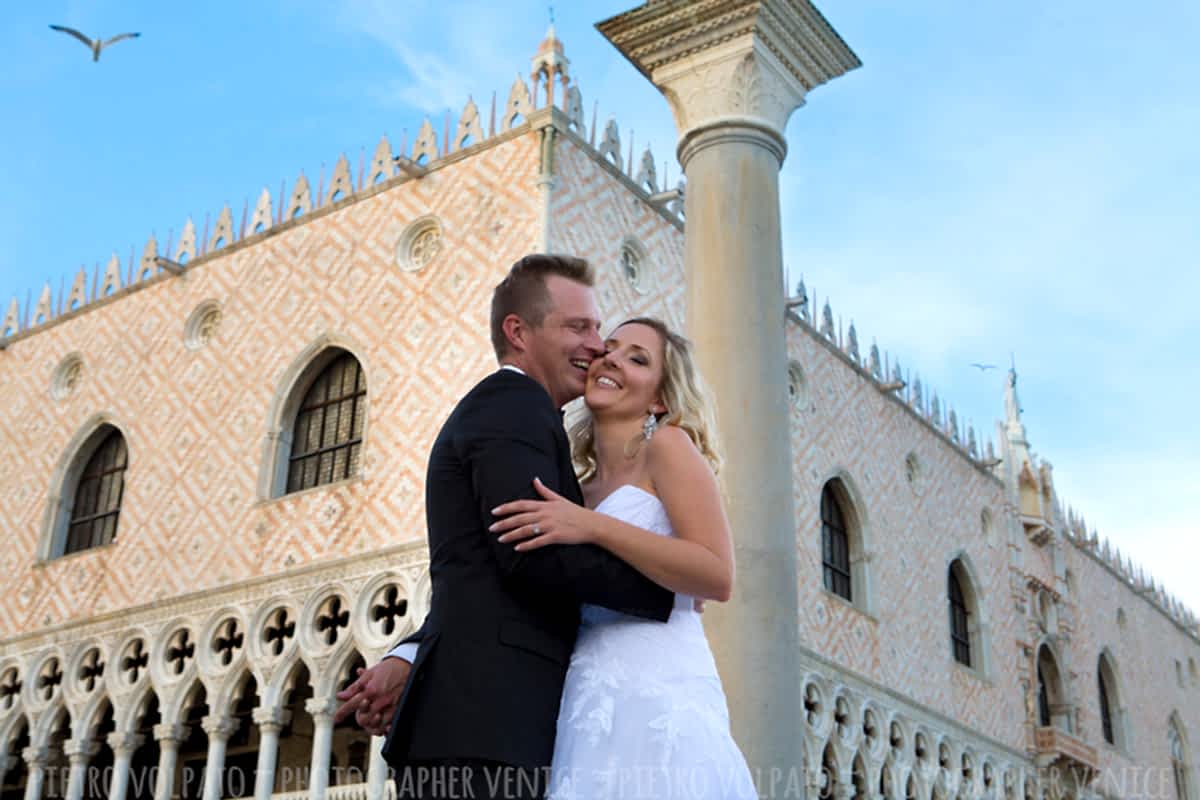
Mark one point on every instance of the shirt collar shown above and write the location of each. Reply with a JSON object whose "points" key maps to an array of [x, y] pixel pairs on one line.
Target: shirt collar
{"points": [[515, 369]]}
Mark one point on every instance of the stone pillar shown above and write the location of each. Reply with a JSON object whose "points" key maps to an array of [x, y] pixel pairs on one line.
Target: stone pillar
{"points": [[79, 754], [169, 738], [36, 759], [732, 74], [269, 721], [219, 729], [318, 773], [123, 745], [377, 770]]}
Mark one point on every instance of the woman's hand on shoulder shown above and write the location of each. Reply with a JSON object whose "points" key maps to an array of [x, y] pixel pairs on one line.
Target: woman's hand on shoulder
{"points": [[536, 523]]}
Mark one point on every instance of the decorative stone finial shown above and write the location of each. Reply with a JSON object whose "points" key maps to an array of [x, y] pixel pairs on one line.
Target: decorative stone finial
{"points": [[852, 344], [610, 145], [470, 129], [382, 163], [575, 115], [874, 366], [112, 277], [263, 216], [518, 106], [827, 323], [425, 145], [147, 266], [647, 175], [78, 297], [12, 319], [341, 185], [222, 235]]}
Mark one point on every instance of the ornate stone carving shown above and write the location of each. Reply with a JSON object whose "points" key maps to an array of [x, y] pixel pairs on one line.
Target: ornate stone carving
{"points": [[341, 185], [301, 201], [112, 277], [187, 243], [262, 218], [610, 145], [222, 235], [67, 376], [12, 319], [147, 266], [647, 175], [575, 115], [470, 129], [518, 105], [383, 165], [78, 297], [425, 144]]}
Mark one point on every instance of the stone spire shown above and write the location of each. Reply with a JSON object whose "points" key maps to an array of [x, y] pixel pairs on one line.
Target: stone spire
{"points": [[1013, 427], [550, 65]]}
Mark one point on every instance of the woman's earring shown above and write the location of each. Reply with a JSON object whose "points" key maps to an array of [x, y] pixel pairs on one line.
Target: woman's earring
{"points": [[649, 426]]}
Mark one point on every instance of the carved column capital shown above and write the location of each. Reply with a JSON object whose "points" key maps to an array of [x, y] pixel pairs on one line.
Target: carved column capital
{"points": [[165, 732], [36, 757], [219, 727], [270, 719], [744, 62], [321, 708], [80, 750], [124, 743]]}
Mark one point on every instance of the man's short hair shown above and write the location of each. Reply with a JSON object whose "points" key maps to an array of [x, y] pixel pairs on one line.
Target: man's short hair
{"points": [[523, 291]]}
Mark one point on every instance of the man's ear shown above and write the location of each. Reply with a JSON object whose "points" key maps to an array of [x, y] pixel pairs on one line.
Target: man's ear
{"points": [[515, 332]]}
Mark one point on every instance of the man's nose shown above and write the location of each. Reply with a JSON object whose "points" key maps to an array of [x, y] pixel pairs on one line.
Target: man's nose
{"points": [[595, 344]]}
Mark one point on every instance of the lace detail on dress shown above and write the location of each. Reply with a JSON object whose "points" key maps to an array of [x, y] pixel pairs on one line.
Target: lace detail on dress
{"points": [[643, 713]]}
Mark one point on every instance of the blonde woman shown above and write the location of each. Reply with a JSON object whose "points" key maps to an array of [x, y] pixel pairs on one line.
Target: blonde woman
{"points": [[643, 713]]}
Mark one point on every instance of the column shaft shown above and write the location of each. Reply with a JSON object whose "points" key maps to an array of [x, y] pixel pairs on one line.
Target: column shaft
{"points": [[268, 752], [318, 774], [736, 319], [377, 770]]}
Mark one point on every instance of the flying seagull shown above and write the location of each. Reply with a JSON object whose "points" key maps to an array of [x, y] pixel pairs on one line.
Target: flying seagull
{"points": [[95, 45], [983, 367]]}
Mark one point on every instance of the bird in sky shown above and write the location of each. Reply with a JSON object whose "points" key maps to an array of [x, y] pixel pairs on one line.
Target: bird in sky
{"points": [[95, 45], [983, 367]]}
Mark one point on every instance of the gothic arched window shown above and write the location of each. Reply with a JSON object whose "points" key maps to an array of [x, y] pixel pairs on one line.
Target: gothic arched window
{"points": [[1179, 764], [960, 617], [835, 544], [1112, 725], [327, 435], [97, 503]]}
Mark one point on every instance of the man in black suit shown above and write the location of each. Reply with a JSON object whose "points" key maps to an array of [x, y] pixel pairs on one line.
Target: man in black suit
{"points": [[476, 713]]}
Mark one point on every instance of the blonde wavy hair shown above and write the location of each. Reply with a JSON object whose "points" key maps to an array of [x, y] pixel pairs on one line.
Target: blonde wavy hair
{"points": [[688, 400]]}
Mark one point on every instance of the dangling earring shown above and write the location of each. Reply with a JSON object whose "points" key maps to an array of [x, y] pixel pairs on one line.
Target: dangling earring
{"points": [[649, 426]]}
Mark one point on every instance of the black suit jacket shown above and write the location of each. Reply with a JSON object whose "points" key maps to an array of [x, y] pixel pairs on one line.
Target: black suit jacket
{"points": [[494, 648]]}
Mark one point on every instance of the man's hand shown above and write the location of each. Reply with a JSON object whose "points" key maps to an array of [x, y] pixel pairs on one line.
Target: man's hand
{"points": [[373, 696]]}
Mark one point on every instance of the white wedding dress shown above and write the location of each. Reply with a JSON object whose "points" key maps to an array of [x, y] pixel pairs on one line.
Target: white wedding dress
{"points": [[643, 714]]}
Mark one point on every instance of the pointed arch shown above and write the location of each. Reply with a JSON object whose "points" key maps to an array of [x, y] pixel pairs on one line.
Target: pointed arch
{"points": [[968, 620], [333, 424], [14, 738], [845, 541], [1053, 707], [1110, 698], [1181, 766], [84, 498]]}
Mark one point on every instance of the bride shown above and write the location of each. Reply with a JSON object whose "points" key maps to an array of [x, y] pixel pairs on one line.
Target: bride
{"points": [[643, 713]]}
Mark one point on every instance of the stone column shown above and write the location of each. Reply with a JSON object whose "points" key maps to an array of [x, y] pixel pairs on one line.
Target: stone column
{"points": [[169, 738], [377, 770], [123, 746], [269, 721], [732, 74], [219, 729], [79, 754], [318, 773], [36, 759]]}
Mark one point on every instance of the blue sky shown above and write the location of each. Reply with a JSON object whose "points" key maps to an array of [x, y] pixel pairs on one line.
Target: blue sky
{"points": [[999, 179]]}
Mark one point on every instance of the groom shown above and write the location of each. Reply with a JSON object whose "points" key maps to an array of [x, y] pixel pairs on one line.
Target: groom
{"points": [[475, 714]]}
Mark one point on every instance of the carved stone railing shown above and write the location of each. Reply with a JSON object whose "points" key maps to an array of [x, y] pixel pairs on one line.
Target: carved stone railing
{"points": [[1071, 763], [349, 791]]}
